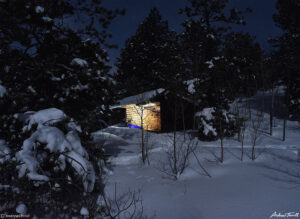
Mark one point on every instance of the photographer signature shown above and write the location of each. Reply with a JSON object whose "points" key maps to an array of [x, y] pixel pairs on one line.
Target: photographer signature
{"points": [[285, 215]]}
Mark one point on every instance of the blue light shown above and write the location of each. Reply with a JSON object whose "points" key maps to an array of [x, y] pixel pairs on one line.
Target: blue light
{"points": [[134, 126]]}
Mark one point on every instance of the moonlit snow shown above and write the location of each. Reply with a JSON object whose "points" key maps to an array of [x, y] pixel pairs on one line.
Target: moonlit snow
{"points": [[237, 189]]}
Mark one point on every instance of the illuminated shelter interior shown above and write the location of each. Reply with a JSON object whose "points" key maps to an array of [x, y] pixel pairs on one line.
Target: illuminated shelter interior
{"points": [[146, 116]]}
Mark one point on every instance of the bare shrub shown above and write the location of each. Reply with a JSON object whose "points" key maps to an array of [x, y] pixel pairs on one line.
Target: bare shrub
{"points": [[125, 205], [178, 153], [256, 133]]}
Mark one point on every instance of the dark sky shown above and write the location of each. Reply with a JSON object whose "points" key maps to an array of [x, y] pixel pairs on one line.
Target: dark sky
{"points": [[259, 22]]}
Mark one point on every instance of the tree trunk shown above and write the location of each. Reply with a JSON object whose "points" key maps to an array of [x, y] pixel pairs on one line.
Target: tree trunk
{"points": [[221, 138], [253, 152], [284, 125], [174, 154], [142, 138], [242, 152], [263, 102], [183, 120], [253, 145], [143, 143], [276, 103], [237, 121], [222, 151], [174, 141], [249, 108], [286, 114], [272, 110], [194, 112], [195, 76]]}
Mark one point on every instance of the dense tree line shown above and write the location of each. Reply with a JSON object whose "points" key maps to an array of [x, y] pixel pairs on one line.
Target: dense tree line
{"points": [[223, 64], [287, 55]]}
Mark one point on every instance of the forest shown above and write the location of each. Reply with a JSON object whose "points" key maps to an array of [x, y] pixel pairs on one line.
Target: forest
{"points": [[57, 86]]}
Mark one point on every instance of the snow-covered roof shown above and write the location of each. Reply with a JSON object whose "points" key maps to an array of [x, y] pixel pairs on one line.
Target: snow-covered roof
{"points": [[139, 98]]}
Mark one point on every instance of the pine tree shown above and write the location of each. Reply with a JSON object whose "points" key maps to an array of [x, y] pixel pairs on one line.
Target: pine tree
{"points": [[202, 39], [40, 43], [145, 62], [288, 47], [244, 60], [49, 59]]}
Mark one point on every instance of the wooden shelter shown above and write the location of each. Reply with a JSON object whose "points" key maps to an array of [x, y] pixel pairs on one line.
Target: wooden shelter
{"points": [[157, 110]]}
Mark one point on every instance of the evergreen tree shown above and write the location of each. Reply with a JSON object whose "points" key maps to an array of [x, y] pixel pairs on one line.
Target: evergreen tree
{"points": [[202, 39], [48, 59], [52, 55], [244, 61], [148, 59], [288, 55]]}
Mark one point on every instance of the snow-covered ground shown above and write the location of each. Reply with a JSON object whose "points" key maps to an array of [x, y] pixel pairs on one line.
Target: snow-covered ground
{"points": [[268, 186]]}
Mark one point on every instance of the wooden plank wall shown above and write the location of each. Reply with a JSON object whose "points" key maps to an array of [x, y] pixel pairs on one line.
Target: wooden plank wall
{"points": [[148, 113]]}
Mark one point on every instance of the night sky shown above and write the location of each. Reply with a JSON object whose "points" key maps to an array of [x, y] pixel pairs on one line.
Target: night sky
{"points": [[259, 22]]}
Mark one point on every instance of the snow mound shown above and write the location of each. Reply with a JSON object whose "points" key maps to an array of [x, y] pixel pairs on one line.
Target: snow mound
{"points": [[39, 9], [80, 87], [208, 128], [2, 91], [54, 141], [79, 62], [72, 126], [206, 113], [44, 117], [84, 211], [210, 64], [191, 85], [74, 140], [104, 138], [21, 209], [125, 160], [47, 19]]}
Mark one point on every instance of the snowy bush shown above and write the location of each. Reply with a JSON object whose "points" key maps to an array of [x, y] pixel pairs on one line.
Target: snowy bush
{"points": [[49, 144], [209, 121], [50, 172], [43, 117]]}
